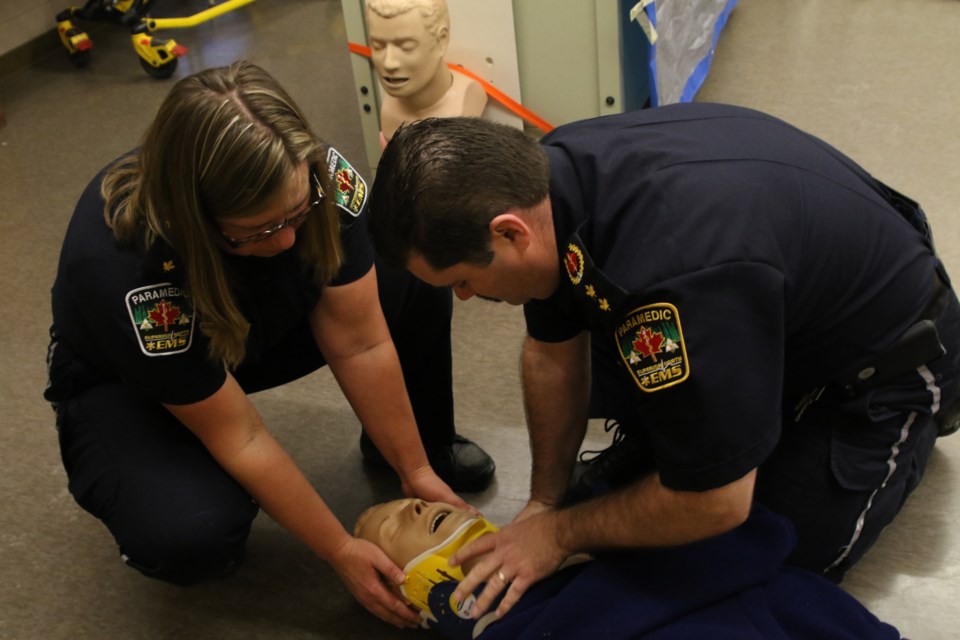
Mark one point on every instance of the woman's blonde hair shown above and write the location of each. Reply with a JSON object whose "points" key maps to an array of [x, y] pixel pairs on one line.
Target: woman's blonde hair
{"points": [[224, 144]]}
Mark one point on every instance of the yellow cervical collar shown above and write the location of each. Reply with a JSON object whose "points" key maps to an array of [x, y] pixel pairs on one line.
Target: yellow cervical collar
{"points": [[430, 567]]}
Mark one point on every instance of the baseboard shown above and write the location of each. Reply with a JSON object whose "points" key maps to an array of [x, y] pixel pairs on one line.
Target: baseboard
{"points": [[29, 52]]}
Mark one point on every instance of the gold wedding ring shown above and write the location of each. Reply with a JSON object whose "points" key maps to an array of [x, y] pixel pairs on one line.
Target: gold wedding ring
{"points": [[502, 577]]}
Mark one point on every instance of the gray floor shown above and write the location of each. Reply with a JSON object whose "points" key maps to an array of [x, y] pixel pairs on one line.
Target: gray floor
{"points": [[878, 79]]}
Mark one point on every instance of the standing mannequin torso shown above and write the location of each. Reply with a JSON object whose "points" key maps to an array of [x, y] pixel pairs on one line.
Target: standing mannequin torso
{"points": [[408, 42], [465, 97]]}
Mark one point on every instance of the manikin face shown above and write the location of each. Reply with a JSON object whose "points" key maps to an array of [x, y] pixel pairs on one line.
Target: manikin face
{"points": [[406, 56], [406, 528]]}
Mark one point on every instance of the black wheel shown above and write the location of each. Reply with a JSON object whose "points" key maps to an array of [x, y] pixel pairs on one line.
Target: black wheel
{"points": [[80, 58], [162, 72]]}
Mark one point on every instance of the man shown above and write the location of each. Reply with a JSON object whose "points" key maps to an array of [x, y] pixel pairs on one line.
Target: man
{"points": [[766, 319], [408, 45]]}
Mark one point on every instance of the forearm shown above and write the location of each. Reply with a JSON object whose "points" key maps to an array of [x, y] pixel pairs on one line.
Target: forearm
{"points": [[372, 382], [556, 387], [647, 514], [230, 428], [353, 336], [280, 488]]}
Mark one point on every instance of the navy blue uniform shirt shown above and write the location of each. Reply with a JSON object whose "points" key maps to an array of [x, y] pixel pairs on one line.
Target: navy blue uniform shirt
{"points": [[728, 262], [120, 313]]}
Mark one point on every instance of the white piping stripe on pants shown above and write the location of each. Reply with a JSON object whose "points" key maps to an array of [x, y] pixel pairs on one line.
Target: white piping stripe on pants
{"points": [[934, 390]]}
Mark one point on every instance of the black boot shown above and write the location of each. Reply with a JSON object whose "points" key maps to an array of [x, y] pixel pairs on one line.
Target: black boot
{"points": [[627, 458], [463, 464]]}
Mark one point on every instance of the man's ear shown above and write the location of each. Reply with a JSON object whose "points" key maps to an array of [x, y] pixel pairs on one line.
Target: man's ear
{"points": [[511, 228]]}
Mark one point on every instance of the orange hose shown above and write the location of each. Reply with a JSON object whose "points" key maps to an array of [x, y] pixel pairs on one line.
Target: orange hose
{"points": [[508, 102]]}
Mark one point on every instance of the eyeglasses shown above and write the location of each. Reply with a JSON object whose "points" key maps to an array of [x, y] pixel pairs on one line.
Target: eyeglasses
{"points": [[260, 236]]}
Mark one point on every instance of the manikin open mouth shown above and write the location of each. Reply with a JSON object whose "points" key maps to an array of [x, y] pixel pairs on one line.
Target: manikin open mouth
{"points": [[437, 520], [395, 80]]}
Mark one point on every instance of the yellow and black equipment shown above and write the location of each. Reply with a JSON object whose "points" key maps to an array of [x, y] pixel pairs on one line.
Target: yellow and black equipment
{"points": [[158, 56]]}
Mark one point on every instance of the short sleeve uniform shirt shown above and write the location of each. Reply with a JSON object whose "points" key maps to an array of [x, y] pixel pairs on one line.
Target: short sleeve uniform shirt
{"points": [[120, 314], [710, 249]]}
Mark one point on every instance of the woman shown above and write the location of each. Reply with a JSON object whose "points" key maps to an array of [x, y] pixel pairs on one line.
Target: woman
{"points": [[228, 255], [732, 586]]}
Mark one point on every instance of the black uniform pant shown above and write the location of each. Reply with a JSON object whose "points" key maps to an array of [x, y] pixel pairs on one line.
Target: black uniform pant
{"points": [[175, 514], [842, 471]]}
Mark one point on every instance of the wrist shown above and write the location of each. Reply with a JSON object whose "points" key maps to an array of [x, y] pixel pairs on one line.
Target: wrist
{"points": [[542, 502], [416, 473], [331, 548], [561, 530], [552, 527]]}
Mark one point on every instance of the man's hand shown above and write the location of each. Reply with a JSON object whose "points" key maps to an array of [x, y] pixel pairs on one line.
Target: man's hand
{"points": [[363, 567], [521, 554], [425, 484], [533, 508]]}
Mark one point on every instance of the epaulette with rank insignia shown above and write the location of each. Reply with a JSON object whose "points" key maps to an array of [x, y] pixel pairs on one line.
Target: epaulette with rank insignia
{"points": [[600, 297], [649, 337]]}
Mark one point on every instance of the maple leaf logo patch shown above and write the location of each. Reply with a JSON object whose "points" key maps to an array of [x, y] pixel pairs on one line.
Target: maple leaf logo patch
{"points": [[573, 262], [650, 341], [351, 192], [162, 318]]}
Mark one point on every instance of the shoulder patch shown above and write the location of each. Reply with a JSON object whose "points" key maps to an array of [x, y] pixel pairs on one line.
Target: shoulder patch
{"points": [[162, 318], [573, 262], [650, 341], [349, 189]]}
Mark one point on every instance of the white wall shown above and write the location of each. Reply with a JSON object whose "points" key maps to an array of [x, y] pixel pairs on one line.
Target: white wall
{"points": [[24, 20]]}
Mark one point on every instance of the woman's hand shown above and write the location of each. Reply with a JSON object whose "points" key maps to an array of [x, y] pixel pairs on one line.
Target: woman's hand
{"points": [[425, 484], [365, 570]]}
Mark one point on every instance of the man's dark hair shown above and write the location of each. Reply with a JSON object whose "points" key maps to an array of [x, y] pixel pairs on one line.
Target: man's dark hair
{"points": [[441, 181]]}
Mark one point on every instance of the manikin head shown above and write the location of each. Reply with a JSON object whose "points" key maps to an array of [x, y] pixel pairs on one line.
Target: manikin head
{"points": [[408, 42], [420, 536]]}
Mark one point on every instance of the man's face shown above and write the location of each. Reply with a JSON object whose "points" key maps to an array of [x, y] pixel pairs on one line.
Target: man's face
{"points": [[497, 282], [406, 528], [406, 56]]}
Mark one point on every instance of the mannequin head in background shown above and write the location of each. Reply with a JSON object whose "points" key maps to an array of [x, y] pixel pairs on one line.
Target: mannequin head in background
{"points": [[408, 44]]}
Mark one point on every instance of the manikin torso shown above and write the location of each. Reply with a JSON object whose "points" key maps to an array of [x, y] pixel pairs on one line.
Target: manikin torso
{"points": [[465, 97]]}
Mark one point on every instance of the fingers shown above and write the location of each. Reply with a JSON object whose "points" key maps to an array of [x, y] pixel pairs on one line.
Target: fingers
{"points": [[511, 590], [477, 547], [460, 503], [424, 483], [386, 605], [395, 611], [498, 583], [512, 597], [366, 569], [386, 567]]}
